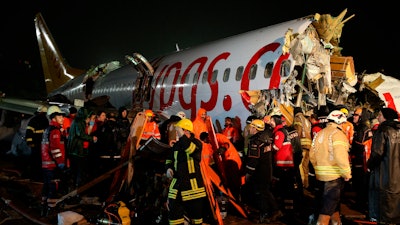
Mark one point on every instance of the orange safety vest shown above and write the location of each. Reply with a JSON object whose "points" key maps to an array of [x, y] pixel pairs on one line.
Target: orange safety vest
{"points": [[151, 130]]}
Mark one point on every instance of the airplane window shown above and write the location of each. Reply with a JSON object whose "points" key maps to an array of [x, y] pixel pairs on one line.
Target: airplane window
{"points": [[205, 75], [268, 69], [253, 72], [214, 76], [187, 77], [239, 73], [195, 78], [227, 71], [285, 68]]}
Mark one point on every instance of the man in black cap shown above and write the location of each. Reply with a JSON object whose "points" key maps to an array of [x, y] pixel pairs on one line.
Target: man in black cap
{"points": [[384, 165]]}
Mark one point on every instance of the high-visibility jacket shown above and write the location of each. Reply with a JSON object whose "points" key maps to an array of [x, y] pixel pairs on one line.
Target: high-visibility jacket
{"points": [[329, 153], [207, 154], [348, 129], [231, 133], [151, 130], [199, 124]]}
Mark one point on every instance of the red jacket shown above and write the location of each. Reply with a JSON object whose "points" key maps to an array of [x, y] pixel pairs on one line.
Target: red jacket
{"points": [[53, 147], [283, 147]]}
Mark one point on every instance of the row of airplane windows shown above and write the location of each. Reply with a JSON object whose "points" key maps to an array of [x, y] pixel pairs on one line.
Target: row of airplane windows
{"points": [[284, 72]]}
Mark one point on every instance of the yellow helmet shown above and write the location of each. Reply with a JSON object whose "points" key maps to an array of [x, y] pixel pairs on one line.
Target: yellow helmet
{"points": [[345, 111], [258, 124], [148, 112], [185, 124]]}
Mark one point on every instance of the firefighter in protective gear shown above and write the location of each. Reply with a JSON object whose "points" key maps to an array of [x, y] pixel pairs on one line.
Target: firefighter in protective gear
{"points": [[187, 193], [303, 128], [330, 158], [246, 135], [34, 131], [53, 156], [258, 124]]}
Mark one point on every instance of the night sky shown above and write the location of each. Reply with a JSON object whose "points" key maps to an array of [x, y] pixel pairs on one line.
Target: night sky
{"points": [[89, 33]]}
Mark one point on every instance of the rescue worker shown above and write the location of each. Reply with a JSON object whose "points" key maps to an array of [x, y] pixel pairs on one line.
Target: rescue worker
{"points": [[181, 114], [231, 132], [259, 172], [34, 131], [53, 156], [284, 169], [167, 130], [199, 123], [329, 156], [246, 135], [232, 164], [207, 153], [347, 126], [150, 128], [69, 118], [303, 127], [187, 193], [362, 135]]}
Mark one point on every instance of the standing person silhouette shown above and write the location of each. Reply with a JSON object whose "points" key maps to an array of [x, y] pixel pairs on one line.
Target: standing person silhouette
{"points": [[329, 155], [187, 194], [384, 165]]}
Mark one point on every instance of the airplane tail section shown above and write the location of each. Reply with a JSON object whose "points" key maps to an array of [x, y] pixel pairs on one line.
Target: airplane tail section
{"points": [[56, 70]]}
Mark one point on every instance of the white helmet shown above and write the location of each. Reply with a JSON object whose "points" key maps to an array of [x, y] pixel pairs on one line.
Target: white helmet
{"points": [[181, 114], [337, 116], [54, 110]]}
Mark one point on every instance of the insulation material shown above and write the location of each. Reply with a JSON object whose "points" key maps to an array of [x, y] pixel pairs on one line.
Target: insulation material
{"points": [[303, 45], [343, 67], [330, 29]]}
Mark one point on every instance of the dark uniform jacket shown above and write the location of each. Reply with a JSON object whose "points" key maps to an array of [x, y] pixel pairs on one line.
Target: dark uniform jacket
{"points": [[384, 164], [259, 157], [185, 162]]}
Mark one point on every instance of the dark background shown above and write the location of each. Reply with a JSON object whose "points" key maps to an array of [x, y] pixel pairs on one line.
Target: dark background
{"points": [[89, 33]]}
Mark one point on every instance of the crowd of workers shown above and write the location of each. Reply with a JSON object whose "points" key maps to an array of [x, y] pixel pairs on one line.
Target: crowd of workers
{"points": [[267, 165]]}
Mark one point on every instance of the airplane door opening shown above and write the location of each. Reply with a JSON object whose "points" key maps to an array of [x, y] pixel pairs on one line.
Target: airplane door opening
{"points": [[142, 89]]}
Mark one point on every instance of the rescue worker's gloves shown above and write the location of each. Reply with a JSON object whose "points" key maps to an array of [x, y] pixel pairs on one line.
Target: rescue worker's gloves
{"points": [[61, 166], [170, 173], [221, 150]]}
